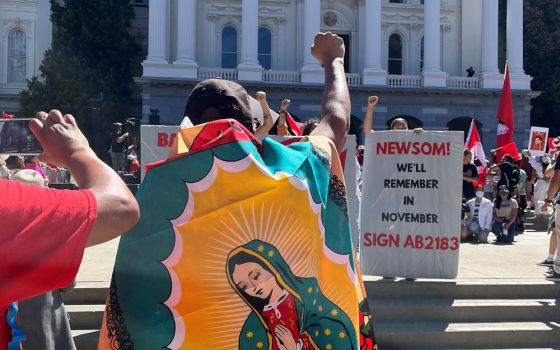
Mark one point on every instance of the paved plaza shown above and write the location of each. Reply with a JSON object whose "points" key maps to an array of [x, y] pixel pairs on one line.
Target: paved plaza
{"points": [[476, 261]]}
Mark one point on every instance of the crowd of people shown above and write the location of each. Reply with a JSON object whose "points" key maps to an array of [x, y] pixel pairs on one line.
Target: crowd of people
{"points": [[497, 201], [103, 208]]}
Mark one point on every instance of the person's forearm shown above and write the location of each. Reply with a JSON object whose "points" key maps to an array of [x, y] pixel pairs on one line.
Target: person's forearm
{"points": [[554, 186], [268, 123], [336, 101], [368, 120], [117, 210]]}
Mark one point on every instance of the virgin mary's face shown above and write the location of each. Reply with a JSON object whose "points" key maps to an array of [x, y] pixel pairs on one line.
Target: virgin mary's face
{"points": [[254, 280]]}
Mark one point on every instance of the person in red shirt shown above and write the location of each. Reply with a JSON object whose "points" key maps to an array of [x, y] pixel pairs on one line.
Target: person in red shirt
{"points": [[45, 231]]}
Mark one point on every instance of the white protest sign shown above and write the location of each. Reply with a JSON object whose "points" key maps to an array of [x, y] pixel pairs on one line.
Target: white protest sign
{"points": [[156, 142], [537, 141], [411, 204]]}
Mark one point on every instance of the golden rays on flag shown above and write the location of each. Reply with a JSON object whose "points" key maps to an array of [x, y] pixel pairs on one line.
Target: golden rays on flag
{"points": [[226, 211]]}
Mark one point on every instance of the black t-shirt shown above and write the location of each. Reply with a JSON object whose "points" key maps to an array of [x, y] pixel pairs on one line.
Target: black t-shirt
{"points": [[116, 146], [469, 170], [509, 176]]}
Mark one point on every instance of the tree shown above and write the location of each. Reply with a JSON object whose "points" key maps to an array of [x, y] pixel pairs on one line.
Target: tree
{"points": [[541, 50], [88, 70]]}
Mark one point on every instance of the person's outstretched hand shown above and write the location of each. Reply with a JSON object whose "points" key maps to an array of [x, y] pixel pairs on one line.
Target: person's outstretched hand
{"points": [[261, 96], [285, 104], [327, 47], [372, 101], [59, 136]]}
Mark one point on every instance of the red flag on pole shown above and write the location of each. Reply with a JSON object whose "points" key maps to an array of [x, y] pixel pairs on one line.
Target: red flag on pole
{"points": [[510, 149], [6, 115], [553, 144], [505, 114], [295, 126], [474, 144]]}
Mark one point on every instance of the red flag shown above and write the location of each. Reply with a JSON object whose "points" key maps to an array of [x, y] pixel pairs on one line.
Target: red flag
{"points": [[6, 115], [510, 149], [505, 114], [553, 144], [295, 126], [474, 144]]}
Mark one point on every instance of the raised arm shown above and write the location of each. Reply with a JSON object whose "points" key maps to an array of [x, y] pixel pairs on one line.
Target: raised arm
{"points": [[282, 128], [328, 49], [368, 119], [268, 123], [65, 145]]}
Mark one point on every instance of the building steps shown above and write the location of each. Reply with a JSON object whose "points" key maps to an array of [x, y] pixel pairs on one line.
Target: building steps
{"points": [[477, 314], [409, 315]]}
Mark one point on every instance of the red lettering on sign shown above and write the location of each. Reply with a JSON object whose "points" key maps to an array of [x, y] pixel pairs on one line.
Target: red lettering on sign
{"points": [[413, 148], [162, 139], [393, 240]]}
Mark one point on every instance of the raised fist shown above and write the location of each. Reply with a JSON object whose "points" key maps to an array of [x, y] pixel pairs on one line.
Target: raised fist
{"points": [[285, 105], [372, 101], [261, 96], [327, 47]]}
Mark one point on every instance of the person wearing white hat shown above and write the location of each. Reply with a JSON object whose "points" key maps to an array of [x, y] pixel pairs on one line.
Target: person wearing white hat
{"points": [[45, 231]]}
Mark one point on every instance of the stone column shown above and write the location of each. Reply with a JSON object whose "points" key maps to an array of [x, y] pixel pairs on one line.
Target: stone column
{"points": [[249, 68], [157, 32], [186, 40], [490, 74], [373, 73], [432, 74], [519, 80], [311, 72]]}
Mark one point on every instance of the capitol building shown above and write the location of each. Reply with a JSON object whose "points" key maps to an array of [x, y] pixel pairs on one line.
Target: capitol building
{"points": [[413, 54]]}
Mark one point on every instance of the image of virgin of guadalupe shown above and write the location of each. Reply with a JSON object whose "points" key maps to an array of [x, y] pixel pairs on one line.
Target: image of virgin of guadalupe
{"points": [[287, 312]]}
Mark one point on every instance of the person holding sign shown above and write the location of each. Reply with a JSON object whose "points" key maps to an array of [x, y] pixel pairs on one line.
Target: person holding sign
{"points": [[396, 124], [505, 212]]}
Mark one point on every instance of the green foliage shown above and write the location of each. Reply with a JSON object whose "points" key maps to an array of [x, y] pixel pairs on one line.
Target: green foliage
{"points": [[541, 50], [88, 70]]}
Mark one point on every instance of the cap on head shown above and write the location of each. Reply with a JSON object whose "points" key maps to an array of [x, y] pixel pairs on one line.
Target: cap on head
{"points": [[214, 99]]}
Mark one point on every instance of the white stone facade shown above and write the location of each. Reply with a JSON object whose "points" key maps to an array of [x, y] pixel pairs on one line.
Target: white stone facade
{"points": [[185, 40], [21, 54]]}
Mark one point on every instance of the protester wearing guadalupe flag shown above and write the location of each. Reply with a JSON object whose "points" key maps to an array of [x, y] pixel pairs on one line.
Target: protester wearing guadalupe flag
{"points": [[243, 244]]}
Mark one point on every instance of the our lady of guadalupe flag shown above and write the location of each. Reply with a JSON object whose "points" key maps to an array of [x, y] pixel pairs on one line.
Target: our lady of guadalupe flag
{"points": [[240, 245], [505, 114], [474, 144]]}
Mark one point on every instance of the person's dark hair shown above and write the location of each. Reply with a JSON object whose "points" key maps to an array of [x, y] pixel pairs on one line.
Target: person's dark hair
{"points": [[28, 159], [507, 158], [227, 97], [242, 258], [498, 201], [14, 162], [398, 121], [467, 153], [309, 126]]}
